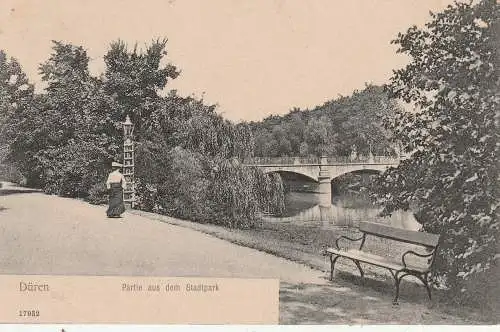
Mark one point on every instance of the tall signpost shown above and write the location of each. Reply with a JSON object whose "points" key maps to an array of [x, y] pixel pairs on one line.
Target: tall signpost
{"points": [[128, 163]]}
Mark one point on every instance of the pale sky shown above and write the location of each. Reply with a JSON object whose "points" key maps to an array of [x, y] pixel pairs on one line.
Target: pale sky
{"points": [[252, 58]]}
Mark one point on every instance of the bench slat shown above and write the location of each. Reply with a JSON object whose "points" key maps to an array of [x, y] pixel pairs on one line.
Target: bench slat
{"points": [[399, 234], [377, 260]]}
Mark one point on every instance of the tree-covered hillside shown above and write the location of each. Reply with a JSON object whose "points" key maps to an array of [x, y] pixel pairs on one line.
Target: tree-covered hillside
{"points": [[336, 128]]}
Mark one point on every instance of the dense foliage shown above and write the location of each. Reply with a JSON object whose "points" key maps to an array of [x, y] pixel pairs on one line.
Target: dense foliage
{"points": [[64, 139], [338, 128], [451, 177], [60, 141], [188, 166], [16, 98]]}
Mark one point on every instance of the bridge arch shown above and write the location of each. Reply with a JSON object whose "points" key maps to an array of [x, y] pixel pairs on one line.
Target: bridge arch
{"points": [[367, 169], [303, 175], [338, 181], [360, 171]]}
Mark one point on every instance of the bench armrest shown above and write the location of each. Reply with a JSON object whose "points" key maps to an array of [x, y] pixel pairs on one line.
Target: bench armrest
{"points": [[362, 239], [411, 252]]}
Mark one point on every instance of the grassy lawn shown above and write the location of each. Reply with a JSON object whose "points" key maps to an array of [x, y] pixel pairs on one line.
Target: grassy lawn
{"points": [[305, 243], [313, 239]]}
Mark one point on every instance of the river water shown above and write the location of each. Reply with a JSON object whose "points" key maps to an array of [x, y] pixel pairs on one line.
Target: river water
{"points": [[307, 209]]}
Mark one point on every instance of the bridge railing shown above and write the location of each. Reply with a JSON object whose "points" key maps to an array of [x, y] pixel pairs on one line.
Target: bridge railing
{"points": [[362, 159], [282, 160], [317, 160]]}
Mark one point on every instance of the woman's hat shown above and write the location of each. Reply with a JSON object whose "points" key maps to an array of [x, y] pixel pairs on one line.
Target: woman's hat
{"points": [[115, 164]]}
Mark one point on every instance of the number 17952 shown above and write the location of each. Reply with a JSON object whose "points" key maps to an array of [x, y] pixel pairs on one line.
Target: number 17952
{"points": [[29, 313]]}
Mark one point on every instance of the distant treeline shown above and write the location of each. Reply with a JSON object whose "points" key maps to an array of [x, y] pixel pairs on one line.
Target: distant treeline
{"points": [[340, 127]]}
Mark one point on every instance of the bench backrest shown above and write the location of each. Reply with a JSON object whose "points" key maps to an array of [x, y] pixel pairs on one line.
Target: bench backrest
{"points": [[398, 234]]}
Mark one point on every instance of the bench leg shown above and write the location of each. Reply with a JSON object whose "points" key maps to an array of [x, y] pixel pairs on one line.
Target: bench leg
{"points": [[425, 281], [397, 281], [332, 264], [426, 284], [361, 272]]}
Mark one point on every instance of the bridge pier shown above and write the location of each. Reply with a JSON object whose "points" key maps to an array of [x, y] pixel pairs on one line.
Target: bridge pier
{"points": [[325, 212], [325, 184], [328, 168]]}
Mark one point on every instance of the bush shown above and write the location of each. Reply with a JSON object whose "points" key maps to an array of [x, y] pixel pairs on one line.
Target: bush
{"points": [[451, 174], [10, 173], [98, 194], [188, 185]]}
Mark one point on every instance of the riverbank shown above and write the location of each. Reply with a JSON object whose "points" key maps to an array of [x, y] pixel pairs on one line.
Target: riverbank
{"points": [[297, 244], [301, 244]]}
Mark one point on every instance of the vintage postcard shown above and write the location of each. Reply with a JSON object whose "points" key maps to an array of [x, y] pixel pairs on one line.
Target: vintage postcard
{"points": [[270, 162]]}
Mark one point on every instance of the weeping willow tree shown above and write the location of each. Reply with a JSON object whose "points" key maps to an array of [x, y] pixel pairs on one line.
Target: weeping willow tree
{"points": [[188, 166], [242, 194]]}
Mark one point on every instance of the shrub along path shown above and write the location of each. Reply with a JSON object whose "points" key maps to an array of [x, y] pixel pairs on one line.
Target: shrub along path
{"points": [[43, 234]]}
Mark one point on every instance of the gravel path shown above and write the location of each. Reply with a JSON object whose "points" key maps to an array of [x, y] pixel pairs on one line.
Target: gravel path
{"points": [[41, 234]]}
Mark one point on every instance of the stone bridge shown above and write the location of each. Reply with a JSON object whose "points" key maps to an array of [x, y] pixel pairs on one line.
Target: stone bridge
{"points": [[324, 169]]}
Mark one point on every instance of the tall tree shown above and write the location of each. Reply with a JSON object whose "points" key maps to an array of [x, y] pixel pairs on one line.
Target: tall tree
{"points": [[15, 90], [451, 177], [76, 147], [134, 79], [16, 99]]}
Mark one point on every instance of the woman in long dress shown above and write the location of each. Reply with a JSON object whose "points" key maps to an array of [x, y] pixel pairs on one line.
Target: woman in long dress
{"points": [[115, 184]]}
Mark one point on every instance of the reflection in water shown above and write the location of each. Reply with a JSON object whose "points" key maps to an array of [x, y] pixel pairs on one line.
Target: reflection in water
{"points": [[317, 210]]}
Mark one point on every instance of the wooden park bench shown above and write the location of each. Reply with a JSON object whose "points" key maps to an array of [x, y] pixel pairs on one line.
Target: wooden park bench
{"points": [[398, 269]]}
